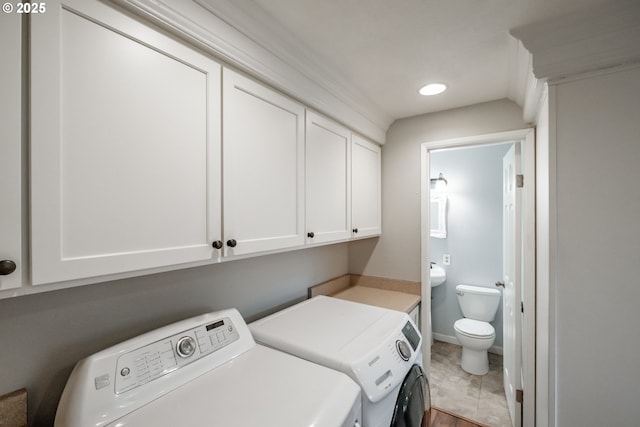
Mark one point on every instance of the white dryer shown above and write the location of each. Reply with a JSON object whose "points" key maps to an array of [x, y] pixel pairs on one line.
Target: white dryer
{"points": [[205, 371], [378, 348]]}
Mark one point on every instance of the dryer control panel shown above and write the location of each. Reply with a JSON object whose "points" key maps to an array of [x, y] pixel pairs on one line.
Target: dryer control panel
{"points": [[152, 361]]}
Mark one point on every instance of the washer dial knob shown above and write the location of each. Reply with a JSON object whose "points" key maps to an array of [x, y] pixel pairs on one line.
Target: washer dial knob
{"points": [[403, 349], [186, 347]]}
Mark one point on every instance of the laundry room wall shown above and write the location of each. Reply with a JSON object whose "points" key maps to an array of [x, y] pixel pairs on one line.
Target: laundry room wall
{"points": [[594, 240], [44, 335], [474, 238], [397, 253]]}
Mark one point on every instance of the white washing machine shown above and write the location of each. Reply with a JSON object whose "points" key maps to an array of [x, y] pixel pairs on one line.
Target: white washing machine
{"points": [[205, 371], [378, 348]]}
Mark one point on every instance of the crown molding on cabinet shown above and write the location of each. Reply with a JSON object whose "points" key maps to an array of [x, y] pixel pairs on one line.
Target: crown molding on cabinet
{"points": [[247, 38], [524, 88], [600, 37]]}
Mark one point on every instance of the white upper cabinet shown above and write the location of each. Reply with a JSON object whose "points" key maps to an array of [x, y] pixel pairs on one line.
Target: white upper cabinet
{"points": [[11, 221], [146, 155], [328, 180], [125, 145], [365, 188], [263, 157]]}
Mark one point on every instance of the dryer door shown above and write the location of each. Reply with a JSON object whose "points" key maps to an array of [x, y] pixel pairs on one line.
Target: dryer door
{"points": [[413, 407]]}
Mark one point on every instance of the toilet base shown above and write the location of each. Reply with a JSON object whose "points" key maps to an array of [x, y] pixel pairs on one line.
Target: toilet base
{"points": [[475, 362]]}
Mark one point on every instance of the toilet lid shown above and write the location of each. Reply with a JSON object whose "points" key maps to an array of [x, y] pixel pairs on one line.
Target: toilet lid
{"points": [[474, 328]]}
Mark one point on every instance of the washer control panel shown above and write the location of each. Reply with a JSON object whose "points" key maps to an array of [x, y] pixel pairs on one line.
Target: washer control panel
{"points": [[411, 335], [403, 350], [384, 368], [152, 361]]}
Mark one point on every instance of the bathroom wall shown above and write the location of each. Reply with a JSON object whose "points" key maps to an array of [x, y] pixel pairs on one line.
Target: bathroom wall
{"points": [[44, 335], [474, 238]]}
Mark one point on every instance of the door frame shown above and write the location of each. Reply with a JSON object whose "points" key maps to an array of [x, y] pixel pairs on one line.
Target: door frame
{"points": [[526, 137]]}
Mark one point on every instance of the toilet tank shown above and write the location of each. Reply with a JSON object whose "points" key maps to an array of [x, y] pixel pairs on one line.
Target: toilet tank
{"points": [[477, 302]]}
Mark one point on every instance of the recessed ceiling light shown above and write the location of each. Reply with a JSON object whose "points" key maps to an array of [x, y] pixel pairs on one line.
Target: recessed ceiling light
{"points": [[433, 89]]}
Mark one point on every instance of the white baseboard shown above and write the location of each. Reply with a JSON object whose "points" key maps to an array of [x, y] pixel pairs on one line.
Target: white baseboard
{"points": [[445, 338], [496, 350], [453, 340]]}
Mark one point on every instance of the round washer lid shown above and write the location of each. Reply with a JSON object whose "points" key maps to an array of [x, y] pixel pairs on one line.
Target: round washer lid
{"points": [[474, 328]]}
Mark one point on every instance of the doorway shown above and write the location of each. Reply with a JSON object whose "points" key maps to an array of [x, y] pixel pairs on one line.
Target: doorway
{"points": [[520, 388]]}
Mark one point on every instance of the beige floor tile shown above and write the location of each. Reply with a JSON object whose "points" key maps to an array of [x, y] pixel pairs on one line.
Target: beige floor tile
{"points": [[475, 397], [492, 410], [449, 398]]}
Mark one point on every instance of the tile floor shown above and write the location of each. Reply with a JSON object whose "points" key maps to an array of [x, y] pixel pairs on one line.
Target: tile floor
{"points": [[479, 398]]}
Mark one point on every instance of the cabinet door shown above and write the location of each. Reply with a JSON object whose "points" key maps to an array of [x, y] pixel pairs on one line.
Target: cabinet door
{"points": [[125, 145], [365, 188], [263, 157], [10, 151], [328, 180]]}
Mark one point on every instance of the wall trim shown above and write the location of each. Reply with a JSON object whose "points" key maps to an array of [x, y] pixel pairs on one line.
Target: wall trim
{"points": [[341, 283], [524, 88], [597, 37], [595, 73]]}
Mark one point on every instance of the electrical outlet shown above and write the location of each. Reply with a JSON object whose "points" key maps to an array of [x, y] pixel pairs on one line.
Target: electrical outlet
{"points": [[446, 259]]}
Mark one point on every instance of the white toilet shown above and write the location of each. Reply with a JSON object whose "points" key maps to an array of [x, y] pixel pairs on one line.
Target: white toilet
{"points": [[475, 334]]}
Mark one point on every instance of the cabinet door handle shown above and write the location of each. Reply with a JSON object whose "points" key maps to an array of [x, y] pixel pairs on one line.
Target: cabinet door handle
{"points": [[232, 243], [217, 244], [7, 267], [310, 235], [355, 230]]}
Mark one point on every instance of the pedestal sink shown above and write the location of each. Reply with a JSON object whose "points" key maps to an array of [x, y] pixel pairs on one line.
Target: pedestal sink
{"points": [[438, 275]]}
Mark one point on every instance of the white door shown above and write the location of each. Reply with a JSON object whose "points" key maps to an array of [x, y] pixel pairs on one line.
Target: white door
{"points": [[10, 151], [263, 174], [366, 219], [125, 142], [328, 180], [511, 277]]}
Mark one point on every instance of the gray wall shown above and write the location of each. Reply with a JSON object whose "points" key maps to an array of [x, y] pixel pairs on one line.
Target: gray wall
{"points": [[396, 254], [44, 335], [474, 239], [595, 286]]}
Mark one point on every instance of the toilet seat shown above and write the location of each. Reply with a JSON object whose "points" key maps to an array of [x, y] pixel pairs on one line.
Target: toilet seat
{"points": [[474, 328]]}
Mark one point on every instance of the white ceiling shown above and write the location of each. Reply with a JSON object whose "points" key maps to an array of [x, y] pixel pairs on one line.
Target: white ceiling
{"points": [[388, 49]]}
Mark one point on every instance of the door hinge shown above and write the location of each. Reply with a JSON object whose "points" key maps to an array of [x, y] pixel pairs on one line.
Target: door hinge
{"points": [[519, 181], [521, 307], [519, 396]]}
